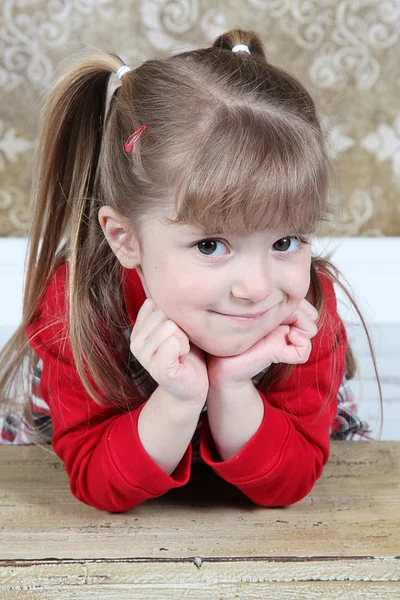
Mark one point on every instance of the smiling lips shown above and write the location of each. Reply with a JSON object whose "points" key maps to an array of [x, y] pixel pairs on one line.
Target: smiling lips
{"points": [[248, 317], [243, 318]]}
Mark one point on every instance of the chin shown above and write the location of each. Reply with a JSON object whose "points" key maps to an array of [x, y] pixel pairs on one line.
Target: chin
{"points": [[223, 351]]}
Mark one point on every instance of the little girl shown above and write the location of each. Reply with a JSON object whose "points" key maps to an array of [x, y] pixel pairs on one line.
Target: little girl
{"points": [[173, 312]]}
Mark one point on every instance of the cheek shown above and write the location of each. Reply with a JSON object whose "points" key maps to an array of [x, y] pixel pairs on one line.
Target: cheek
{"points": [[182, 299], [195, 292], [298, 280]]}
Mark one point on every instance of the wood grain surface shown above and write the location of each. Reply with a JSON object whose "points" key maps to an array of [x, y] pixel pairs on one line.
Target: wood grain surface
{"points": [[205, 539]]}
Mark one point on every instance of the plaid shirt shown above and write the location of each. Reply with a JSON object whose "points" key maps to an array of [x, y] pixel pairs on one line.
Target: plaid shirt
{"points": [[15, 428]]}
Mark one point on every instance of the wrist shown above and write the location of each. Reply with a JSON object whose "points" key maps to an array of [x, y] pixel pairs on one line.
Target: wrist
{"points": [[177, 405], [229, 386]]}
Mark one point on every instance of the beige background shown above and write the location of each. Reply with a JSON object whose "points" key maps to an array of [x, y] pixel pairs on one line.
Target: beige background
{"points": [[346, 52]]}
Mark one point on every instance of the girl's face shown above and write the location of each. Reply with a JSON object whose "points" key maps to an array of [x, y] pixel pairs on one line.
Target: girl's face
{"points": [[193, 277]]}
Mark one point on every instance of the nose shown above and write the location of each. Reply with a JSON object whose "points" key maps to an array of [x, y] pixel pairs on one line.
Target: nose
{"points": [[255, 282]]}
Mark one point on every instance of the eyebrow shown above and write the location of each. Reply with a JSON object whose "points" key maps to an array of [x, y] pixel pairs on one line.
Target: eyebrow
{"points": [[203, 231], [187, 230]]}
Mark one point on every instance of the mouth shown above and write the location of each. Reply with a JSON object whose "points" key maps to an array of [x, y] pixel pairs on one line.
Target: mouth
{"points": [[242, 319]]}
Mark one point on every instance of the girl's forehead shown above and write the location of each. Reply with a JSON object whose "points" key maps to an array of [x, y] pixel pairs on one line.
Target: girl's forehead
{"points": [[190, 230], [228, 215]]}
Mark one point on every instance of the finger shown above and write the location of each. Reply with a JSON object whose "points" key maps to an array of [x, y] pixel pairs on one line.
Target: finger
{"points": [[163, 332], [140, 334], [166, 360], [181, 333], [309, 309], [176, 330], [145, 310], [298, 353], [302, 323], [299, 320], [297, 338]]}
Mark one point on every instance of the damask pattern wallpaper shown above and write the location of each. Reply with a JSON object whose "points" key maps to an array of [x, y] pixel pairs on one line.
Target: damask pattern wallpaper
{"points": [[346, 52]]}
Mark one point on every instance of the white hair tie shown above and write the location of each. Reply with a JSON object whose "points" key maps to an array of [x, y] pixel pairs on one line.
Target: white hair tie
{"points": [[122, 70], [241, 48]]}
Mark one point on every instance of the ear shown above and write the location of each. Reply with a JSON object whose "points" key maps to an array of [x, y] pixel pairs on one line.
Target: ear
{"points": [[121, 241]]}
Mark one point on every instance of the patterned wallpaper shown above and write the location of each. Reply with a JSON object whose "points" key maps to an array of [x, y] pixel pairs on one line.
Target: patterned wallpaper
{"points": [[346, 52]]}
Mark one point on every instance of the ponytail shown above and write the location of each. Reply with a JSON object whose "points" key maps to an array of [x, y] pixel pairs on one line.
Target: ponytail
{"points": [[66, 165], [68, 152]]}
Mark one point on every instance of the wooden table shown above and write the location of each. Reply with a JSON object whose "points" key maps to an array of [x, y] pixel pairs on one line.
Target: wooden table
{"points": [[205, 540]]}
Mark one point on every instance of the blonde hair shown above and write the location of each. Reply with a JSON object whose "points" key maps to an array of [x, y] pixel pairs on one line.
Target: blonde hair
{"points": [[232, 140]]}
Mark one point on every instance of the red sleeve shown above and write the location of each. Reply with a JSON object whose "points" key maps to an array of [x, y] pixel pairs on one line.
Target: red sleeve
{"points": [[282, 461], [104, 458]]}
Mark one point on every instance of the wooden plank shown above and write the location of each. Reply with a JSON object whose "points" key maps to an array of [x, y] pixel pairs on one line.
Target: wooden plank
{"points": [[349, 590], [353, 510], [199, 572]]}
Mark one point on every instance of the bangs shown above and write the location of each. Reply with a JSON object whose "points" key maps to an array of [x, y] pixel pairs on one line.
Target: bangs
{"points": [[252, 173]]}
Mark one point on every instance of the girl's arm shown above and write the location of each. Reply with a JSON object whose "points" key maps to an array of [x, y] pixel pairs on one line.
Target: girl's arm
{"points": [[235, 417], [114, 460], [166, 426], [281, 462]]}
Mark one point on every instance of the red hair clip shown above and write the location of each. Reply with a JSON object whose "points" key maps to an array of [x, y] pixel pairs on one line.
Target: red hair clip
{"points": [[133, 138]]}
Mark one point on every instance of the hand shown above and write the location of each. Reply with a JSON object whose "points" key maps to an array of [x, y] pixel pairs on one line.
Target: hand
{"points": [[288, 343], [164, 350]]}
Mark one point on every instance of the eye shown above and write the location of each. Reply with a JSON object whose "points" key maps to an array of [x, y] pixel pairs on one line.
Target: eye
{"points": [[291, 243], [207, 247]]}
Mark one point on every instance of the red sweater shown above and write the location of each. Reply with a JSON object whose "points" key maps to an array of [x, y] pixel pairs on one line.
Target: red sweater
{"points": [[105, 460]]}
